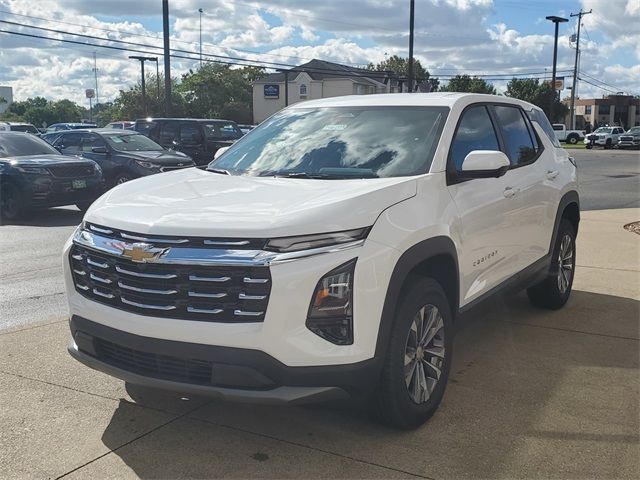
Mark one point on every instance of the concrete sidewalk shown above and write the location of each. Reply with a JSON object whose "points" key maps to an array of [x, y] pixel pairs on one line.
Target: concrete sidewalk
{"points": [[532, 394]]}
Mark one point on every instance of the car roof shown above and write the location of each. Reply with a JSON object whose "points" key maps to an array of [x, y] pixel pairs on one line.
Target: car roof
{"points": [[100, 131], [435, 99], [182, 119]]}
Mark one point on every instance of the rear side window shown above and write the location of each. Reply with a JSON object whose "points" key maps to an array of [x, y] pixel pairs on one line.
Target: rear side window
{"points": [[541, 119], [519, 144], [190, 134], [168, 133], [475, 132]]}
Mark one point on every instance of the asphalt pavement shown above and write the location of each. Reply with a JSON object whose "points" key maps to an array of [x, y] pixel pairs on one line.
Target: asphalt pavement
{"points": [[31, 282]]}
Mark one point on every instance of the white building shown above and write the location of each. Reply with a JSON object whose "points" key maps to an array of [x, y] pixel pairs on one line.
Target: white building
{"points": [[315, 79], [7, 94]]}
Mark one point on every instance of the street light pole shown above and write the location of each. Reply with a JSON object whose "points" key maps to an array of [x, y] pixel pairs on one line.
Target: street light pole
{"points": [[556, 21], [167, 58], [200, 10], [144, 91], [412, 7]]}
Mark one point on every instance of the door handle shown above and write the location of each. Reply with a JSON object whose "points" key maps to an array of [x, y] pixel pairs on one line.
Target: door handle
{"points": [[551, 174], [509, 192]]}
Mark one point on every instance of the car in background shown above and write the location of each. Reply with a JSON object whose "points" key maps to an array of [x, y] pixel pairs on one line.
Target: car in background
{"points": [[605, 137], [200, 139], [34, 175], [568, 136], [246, 128], [122, 154], [18, 127], [58, 127], [630, 138], [122, 125]]}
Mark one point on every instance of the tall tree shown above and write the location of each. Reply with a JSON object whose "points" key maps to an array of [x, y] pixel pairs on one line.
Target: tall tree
{"points": [[466, 83], [400, 66], [540, 94]]}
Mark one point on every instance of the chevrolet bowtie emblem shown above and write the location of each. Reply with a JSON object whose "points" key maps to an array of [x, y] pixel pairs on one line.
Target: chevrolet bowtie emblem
{"points": [[141, 252]]}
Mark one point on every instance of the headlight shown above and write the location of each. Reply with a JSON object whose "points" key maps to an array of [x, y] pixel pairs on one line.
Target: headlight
{"points": [[306, 242], [97, 169], [144, 164], [31, 170], [331, 311]]}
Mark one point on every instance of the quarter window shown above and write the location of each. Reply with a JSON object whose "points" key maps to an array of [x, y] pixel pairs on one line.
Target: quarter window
{"points": [[520, 147], [475, 132]]}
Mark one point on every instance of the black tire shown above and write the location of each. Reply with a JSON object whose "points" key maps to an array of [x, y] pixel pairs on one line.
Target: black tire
{"points": [[84, 206], [395, 405], [121, 178], [553, 292], [572, 139], [607, 144], [13, 205]]}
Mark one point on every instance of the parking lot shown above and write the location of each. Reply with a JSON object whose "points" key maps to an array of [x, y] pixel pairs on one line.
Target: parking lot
{"points": [[532, 394]]}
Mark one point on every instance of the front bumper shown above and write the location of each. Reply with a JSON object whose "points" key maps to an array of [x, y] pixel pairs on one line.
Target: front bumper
{"points": [[221, 372], [47, 192]]}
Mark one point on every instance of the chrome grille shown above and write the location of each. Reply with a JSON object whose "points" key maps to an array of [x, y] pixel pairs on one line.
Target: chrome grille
{"points": [[168, 241], [200, 293]]}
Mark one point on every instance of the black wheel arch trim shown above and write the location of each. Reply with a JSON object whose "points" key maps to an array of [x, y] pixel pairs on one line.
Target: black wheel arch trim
{"points": [[408, 261], [567, 199]]}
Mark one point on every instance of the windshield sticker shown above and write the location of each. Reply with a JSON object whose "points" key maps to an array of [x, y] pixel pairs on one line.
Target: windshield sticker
{"points": [[117, 140], [335, 127]]}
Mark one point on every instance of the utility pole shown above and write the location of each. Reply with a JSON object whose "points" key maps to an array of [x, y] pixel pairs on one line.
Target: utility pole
{"points": [[575, 68], [200, 10], [95, 73], [412, 7], [556, 21], [167, 58], [144, 91]]}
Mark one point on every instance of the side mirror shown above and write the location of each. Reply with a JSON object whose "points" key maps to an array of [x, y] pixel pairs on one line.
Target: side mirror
{"points": [[99, 150], [485, 164], [220, 151]]}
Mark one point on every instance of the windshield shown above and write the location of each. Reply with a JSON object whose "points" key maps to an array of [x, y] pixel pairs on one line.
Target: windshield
{"points": [[339, 142], [634, 130], [21, 145], [132, 143], [222, 131], [603, 130], [24, 128]]}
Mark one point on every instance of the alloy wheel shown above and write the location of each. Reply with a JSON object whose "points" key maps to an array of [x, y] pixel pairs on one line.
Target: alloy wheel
{"points": [[424, 353], [565, 263]]}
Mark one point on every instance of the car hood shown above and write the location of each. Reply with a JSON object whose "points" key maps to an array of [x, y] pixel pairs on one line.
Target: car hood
{"points": [[194, 202], [161, 158], [44, 160]]}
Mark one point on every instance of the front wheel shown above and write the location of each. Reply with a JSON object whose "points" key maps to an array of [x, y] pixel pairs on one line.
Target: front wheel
{"points": [[553, 292], [120, 179], [607, 145], [416, 367], [12, 203]]}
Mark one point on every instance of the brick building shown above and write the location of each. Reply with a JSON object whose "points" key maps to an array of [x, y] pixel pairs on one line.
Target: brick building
{"points": [[622, 110]]}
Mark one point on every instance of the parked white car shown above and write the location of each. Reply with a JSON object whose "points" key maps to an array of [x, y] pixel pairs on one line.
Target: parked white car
{"points": [[605, 137], [630, 138], [327, 254], [568, 136]]}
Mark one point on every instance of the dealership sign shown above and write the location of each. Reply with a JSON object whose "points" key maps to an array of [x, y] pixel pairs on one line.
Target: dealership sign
{"points": [[272, 91]]}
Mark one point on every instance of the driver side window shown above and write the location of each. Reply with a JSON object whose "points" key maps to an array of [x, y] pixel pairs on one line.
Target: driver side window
{"points": [[70, 142], [475, 132]]}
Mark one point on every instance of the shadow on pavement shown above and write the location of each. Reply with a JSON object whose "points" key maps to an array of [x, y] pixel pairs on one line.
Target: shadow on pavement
{"points": [[532, 393], [50, 217]]}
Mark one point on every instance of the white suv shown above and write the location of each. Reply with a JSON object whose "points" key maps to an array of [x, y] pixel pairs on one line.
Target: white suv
{"points": [[605, 137], [327, 253]]}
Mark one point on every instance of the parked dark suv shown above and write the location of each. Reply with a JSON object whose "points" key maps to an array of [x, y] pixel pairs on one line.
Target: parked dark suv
{"points": [[33, 174], [122, 154], [200, 139]]}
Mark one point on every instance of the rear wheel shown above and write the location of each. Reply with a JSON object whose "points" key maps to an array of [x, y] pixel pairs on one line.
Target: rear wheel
{"points": [[13, 204], [416, 367], [553, 292], [572, 139]]}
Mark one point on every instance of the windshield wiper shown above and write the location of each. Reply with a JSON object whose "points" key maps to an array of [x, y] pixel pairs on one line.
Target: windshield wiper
{"points": [[218, 170]]}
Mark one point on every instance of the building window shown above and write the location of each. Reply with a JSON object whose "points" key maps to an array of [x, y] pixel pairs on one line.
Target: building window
{"points": [[303, 90], [604, 109], [587, 109]]}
